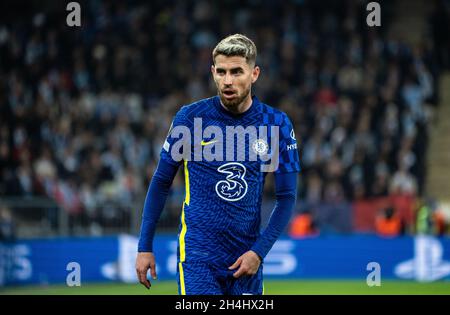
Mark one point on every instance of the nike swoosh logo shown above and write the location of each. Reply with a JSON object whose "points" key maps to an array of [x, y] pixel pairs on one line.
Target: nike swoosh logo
{"points": [[208, 142]]}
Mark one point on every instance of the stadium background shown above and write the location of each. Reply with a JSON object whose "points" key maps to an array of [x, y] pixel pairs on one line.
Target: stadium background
{"points": [[84, 112]]}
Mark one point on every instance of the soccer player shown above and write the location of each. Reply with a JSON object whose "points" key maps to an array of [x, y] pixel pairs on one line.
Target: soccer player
{"points": [[220, 246]]}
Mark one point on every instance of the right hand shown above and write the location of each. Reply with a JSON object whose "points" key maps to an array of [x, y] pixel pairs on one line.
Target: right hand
{"points": [[145, 261]]}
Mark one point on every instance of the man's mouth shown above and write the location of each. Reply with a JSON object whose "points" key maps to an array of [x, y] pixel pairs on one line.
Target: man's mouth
{"points": [[228, 94]]}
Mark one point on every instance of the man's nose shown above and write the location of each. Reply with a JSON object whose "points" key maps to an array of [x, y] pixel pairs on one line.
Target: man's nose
{"points": [[228, 79]]}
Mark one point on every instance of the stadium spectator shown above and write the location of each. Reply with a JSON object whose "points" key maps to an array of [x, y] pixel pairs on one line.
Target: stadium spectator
{"points": [[388, 223], [303, 225], [430, 220], [7, 226]]}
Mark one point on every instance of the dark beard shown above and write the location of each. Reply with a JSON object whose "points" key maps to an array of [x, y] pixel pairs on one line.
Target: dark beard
{"points": [[232, 106]]}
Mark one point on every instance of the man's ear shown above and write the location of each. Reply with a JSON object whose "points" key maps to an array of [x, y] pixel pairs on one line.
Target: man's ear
{"points": [[255, 74], [213, 69]]}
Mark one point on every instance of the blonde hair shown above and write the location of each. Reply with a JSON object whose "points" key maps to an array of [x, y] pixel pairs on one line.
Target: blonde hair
{"points": [[236, 45]]}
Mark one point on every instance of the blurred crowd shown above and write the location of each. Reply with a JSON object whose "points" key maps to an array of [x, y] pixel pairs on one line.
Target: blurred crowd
{"points": [[84, 111]]}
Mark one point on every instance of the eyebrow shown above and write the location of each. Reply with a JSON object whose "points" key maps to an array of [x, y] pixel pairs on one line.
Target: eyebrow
{"points": [[232, 69]]}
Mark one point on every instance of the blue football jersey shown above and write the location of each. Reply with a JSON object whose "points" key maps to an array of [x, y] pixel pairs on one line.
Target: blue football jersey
{"points": [[224, 174]]}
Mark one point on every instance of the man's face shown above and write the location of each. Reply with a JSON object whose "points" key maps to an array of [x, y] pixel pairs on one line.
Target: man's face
{"points": [[234, 78]]}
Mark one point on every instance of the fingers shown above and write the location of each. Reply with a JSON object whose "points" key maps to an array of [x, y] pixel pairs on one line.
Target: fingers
{"points": [[144, 262], [240, 272], [236, 263], [243, 269], [248, 264], [142, 276], [153, 270]]}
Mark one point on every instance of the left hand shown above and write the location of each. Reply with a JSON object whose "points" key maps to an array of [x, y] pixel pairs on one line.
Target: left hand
{"points": [[248, 264]]}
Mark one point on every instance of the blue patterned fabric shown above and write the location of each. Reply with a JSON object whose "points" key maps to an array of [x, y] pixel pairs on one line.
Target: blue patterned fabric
{"points": [[221, 214], [222, 222]]}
